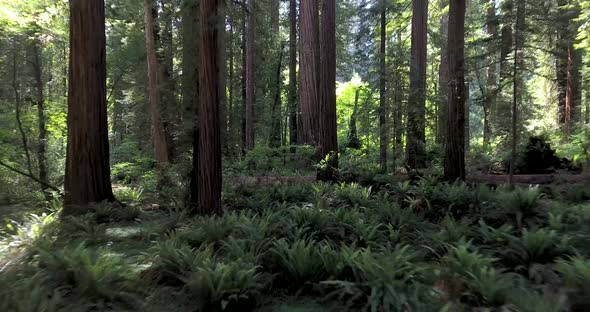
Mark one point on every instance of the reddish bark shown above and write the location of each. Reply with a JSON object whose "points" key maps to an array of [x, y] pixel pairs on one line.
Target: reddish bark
{"points": [[87, 178]]}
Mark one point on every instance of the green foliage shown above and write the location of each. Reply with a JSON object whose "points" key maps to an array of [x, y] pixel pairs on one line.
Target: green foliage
{"points": [[263, 160], [95, 276], [576, 274], [220, 286]]}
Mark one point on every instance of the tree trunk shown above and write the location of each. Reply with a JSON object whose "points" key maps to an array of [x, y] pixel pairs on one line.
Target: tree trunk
{"points": [[275, 129], [165, 53], [353, 138], [158, 128], [416, 139], [190, 86], [87, 178], [208, 152], [190, 53], [309, 65], [383, 140], [244, 81], [230, 137], [491, 83], [443, 78], [455, 148], [250, 76], [328, 139], [293, 72], [18, 117], [42, 148], [519, 29], [275, 14], [222, 69], [399, 106], [568, 63]]}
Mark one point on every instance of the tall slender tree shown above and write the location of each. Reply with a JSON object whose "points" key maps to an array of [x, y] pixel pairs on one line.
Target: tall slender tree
{"points": [[491, 81], [328, 139], [454, 165], [41, 115], [208, 151], [416, 136], [250, 76], [293, 72], [87, 178], [443, 77], [383, 140], [160, 137]]}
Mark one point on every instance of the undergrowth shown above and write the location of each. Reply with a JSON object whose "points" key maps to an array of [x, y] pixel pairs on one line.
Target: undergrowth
{"points": [[399, 246]]}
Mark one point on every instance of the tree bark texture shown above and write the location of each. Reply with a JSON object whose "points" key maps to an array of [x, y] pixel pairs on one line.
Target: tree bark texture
{"points": [[87, 178], [416, 137], [454, 165], [159, 136], [309, 70], [209, 180], [328, 139]]}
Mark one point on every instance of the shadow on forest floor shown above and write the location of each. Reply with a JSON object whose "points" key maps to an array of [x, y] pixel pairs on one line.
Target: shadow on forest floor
{"points": [[421, 245]]}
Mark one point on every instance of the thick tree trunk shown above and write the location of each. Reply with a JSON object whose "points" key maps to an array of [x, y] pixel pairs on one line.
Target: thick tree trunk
{"points": [[293, 72], [209, 179], [309, 71], [40, 101], [383, 140], [190, 65], [443, 78], [328, 139], [190, 86], [159, 137], [455, 148], [87, 178], [250, 77], [416, 139], [491, 81]]}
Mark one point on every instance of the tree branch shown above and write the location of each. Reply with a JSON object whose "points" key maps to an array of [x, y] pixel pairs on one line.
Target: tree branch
{"points": [[32, 177]]}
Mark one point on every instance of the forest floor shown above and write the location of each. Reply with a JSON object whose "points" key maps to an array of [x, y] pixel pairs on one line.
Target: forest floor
{"points": [[310, 246]]}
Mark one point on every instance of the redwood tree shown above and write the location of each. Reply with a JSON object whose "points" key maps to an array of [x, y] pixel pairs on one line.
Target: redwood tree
{"points": [[309, 70], [160, 136], [416, 136], [208, 150], [250, 77], [491, 80], [293, 72], [328, 139], [87, 178], [383, 141], [455, 147]]}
